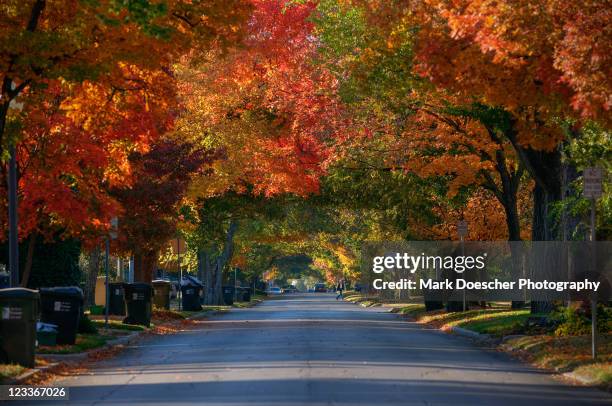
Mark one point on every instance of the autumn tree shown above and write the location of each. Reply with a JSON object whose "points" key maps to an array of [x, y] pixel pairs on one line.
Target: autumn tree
{"points": [[151, 201]]}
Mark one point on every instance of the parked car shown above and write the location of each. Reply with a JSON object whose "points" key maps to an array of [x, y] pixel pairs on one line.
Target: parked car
{"points": [[290, 289], [274, 291], [320, 288]]}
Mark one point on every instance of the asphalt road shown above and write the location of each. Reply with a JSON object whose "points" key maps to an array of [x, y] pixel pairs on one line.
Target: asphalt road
{"points": [[309, 349]]}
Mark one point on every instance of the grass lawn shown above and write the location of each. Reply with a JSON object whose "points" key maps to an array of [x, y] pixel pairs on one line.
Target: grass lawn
{"points": [[495, 321], [118, 325], [8, 371], [83, 343], [362, 300], [242, 304], [567, 354]]}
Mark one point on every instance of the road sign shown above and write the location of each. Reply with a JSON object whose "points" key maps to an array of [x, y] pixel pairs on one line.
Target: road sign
{"points": [[462, 228], [592, 178]]}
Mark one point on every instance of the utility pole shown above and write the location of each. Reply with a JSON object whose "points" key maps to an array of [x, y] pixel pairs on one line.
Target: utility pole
{"points": [[462, 230], [13, 230], [235, 286], [178, 256], [13, 236], [112, 233], [106, 281]]}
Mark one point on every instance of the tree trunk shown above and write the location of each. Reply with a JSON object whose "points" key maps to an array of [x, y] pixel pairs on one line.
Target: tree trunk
{"points": [[542, 231], [545, 168], [218, 287], [27, 269], [512, 218], [144, 266], [205, 267], [92, 275], [223, 258]]}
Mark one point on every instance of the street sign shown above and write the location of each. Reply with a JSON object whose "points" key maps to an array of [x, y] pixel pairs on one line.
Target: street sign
{"points": [[462, 228], [592, 178]]}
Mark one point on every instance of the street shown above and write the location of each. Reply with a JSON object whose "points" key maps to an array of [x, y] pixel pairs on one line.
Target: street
{"points": [[309, 349]]}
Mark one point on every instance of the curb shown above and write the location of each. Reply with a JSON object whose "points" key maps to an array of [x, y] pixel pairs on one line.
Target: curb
{"points": [[200, 314], [83, 355], [471, 334], [581, 379], [16, 380]]}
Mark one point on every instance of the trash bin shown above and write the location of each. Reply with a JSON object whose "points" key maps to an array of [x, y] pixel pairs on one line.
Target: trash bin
{"points": [[161, 294], [5, 280], [228, 295], [46, 334], [117, 300], [18, 313], [433, 300], [62, 306], [244, 294], [190, 294], [100, 291], [138, 300]]}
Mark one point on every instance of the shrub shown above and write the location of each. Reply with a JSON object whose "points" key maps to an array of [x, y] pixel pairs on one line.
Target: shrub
{"points": [[86, 326], [573, 322]]}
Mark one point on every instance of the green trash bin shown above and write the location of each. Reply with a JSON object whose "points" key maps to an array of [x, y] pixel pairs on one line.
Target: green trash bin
{"points": [[138, 299], [18, 313], [46, 334], [161, 293], [62, 306]]}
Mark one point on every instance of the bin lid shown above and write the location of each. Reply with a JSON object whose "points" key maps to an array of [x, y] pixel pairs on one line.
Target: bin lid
{"points": [[73, 291], [116, 283], [46, 327], [138, 286], [191, 281], [160, 282], [19, 293]]}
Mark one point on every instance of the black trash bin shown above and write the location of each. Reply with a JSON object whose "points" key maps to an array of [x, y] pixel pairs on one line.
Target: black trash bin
{"points": [[18, 314], [117, 299], [5, 280], [190, 294], [228, 295], [62, 306], [138, 300], [161, 293], [244, 294], [433, 300]]}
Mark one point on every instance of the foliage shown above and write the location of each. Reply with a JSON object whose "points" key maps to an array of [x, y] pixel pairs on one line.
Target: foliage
{"points": [[87, 326], [572, 321], [56, 263]]}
